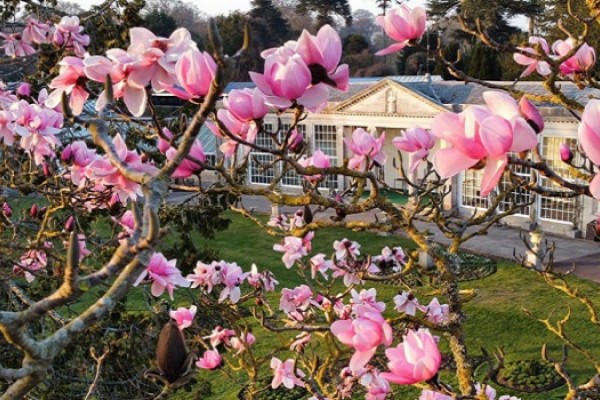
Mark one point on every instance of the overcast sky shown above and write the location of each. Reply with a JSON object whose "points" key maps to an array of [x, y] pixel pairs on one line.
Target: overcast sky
{"points": [[216, 7]]}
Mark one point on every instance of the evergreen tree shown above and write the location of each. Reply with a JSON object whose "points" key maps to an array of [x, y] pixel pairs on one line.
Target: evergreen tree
{"points": [[326, 10], [484, 63], [159, 23], [269, 27], [385, 5]]}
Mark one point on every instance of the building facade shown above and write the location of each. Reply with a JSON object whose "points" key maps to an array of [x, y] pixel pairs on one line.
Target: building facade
{"points": [[393, 104]]}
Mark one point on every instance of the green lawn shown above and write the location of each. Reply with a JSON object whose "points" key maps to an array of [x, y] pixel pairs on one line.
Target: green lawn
{"points": [[495, 316]]}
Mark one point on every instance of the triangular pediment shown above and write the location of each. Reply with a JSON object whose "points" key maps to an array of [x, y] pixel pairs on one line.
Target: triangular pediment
{"points": [[388, 97]]}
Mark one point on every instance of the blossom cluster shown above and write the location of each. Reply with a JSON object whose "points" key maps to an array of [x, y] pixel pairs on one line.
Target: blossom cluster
{"points": [[67, 34]]}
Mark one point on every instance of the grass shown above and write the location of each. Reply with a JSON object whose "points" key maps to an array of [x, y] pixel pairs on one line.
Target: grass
{"points": [[495, 315]]}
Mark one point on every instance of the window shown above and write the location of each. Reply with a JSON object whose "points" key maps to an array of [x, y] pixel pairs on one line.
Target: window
{"points": [[325, 139], [471, 197], [291, 178], [518, 196], [260, 164]]}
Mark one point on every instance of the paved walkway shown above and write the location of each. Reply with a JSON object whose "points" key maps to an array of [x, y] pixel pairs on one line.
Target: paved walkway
{"points": [[500, 242]]}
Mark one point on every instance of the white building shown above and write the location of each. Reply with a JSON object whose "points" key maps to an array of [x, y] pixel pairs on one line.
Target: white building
{"points": [[395, 103]]}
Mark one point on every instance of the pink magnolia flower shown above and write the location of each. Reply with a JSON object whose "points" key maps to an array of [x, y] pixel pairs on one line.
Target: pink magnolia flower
{"points": [[533, 63], [364, 334], [14, 46], [394, 258], [416, 359], [317, 160], [301, 341], [437, 313], [295, 300], [232, 278], [589, 139], [245, 131], [35, 31], [119, 65], [279, 221], [211, 359], [127, 222], [531, 114], [293, 248], [206, 276], [319, 264], [184, 316], [287, 79], [32, 260], [403, 25], [407, 303], [246, 104], [155, 59], [367, 149], [68, 33], [7, 133], [220, 335], [102, 171], [69, 81], [377, 387], [482, 133], [241, 343], [431, 395], [24, 89], [285, 374], [195, 72], [417, 142], [366, 301], [489, 391], [164, 274], [189, 165], [346, 249], [322, 54], [80, 157], [38, 128], [6, 210], [583, 60]]}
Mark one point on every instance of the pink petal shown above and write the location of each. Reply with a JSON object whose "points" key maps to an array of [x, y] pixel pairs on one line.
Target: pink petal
{"points": [[449, 162], [494, 168], [135, 100], [392, 49]]}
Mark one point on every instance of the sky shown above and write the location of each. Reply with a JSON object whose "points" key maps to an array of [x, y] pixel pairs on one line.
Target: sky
{"points": [[216, 7]]}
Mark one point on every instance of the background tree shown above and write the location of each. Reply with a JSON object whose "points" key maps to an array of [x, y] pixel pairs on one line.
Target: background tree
{"points": [[160, 23], [326, 10], [363, 23], [269, 27]]}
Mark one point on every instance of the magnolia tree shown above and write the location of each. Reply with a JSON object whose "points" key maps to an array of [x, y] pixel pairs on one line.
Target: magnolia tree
{"points": [[344, 341]]}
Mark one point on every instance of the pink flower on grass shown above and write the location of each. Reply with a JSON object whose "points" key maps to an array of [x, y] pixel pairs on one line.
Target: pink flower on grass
{"points": [[240, 344], [163, 274], [69, 81], [403, 25], [285, 374], [301, 341], [364, 334], [220, 335], [431, 395], [377, 387], [589, 140], [346, 249], [206, 276], [319, 264], [533, 63], [416, 359], [437, 313], [184, 316], [417, 142], [368, 150], [366, 301], [485, 133], [295, 300], [407, 303], [211, 359], [32, 261], [80, 157], [232, 278], [293, 248]]}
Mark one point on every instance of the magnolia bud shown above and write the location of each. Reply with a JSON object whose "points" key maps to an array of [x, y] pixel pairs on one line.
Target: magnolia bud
{"points": [[45, 169], [566, 155], [171, 351], [34, 210], [6, 210], [308, 215], [531, 115], [70, 224]]}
